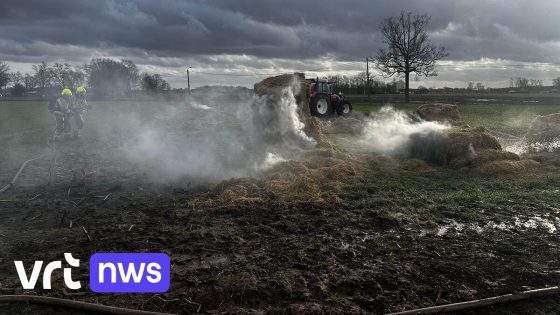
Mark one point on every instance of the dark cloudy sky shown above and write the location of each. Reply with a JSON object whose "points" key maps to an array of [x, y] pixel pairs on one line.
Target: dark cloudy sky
{"points": [[487, 40]]}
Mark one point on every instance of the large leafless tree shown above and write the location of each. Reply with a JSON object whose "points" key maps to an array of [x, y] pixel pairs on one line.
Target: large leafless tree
{"points": [[410, 48]]}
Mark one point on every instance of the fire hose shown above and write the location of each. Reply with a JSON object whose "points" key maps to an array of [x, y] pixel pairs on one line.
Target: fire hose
{"points": [[12, 183], [482, 302], [14, 180], [78, 305]]}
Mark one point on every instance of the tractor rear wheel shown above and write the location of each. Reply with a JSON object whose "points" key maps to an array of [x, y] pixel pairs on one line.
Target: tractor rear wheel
{"points": [[321, 106], [344, 109]]}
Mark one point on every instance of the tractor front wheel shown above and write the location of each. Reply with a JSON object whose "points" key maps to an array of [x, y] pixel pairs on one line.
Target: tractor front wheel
{"points": [[344, 109], [321, 106]]}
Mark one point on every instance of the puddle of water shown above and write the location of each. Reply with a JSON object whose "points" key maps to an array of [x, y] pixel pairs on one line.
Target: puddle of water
{"points": [[549, 221], [443, 229], [546, 146], [536, 222]]}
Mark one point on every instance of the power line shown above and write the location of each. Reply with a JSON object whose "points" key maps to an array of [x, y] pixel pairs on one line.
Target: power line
{"points": [[237, 75]]}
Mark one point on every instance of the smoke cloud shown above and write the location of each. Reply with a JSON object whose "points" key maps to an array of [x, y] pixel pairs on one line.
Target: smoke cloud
{"points": [[393, 132], [212, 142]]}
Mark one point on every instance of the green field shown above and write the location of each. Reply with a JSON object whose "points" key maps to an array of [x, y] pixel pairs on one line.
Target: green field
{"points": [[33, 119], [512, 119]]}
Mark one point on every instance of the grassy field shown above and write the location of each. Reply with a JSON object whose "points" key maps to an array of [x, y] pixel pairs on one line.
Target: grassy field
{"points": [[509, 118], [34, 119]]}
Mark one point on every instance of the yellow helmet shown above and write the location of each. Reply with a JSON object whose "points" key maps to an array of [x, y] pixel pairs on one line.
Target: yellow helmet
{"points": [[81, 90], [67, 92]]}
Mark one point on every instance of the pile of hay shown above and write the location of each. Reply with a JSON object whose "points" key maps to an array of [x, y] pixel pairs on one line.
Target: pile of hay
{"points": [[462, 146], [543, 130], [456, 146], [508, 167], [271, 87], [316, 176], [443, 113]]}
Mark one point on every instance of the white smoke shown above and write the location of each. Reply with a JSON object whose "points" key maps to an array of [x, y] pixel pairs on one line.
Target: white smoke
{"points": [[391, 131], [212, 142]]}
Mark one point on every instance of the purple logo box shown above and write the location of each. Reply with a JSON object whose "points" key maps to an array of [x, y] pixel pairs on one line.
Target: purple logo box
{"points": [[129, 272]]}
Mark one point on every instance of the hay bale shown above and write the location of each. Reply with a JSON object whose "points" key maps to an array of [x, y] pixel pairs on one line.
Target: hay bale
{"points": [[273, 86], [545, 158], [463, 144], [544, 129], [317, 176], [444, 113], [489, 155], [456, 146], [508, 167], [238, 191]]}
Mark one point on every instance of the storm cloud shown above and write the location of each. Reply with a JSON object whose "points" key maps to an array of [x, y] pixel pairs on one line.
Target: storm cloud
{"points": [[248, 37]]}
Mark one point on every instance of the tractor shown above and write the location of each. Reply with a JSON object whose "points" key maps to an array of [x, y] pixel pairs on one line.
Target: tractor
{"points": [[323, 102]]}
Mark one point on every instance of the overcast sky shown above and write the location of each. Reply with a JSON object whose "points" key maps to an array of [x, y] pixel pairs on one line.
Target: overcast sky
{"points": [[487, 40]]}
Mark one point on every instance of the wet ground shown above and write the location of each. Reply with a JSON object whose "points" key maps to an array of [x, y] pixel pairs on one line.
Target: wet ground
{"points": [[404, 236]]}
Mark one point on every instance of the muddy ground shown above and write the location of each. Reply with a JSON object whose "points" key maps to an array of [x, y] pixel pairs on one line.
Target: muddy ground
{"points": [[406, 235]]}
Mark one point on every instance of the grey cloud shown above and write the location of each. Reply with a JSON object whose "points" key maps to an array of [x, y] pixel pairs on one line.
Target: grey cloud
{"points": [[274, 29], [267, 34]]}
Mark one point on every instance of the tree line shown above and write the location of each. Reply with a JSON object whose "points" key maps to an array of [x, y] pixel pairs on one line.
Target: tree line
{"points": [[358, 84], [107, 77]]}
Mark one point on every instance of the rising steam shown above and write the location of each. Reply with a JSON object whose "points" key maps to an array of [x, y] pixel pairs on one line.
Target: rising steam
{"points": [[208, 142], [393, 132]]}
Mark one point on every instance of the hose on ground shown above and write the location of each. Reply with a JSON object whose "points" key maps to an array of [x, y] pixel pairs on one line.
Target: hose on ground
{"points": [[14, 180], [482, 302], [12, 183], [77, 305]]}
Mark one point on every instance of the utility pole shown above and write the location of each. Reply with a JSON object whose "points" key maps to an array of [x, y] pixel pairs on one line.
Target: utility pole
{"points": [[188, 80], [367, 77]]}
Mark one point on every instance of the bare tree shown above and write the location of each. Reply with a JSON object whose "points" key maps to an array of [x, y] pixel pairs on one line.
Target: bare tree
{"points": [[536, 83], [29, 81], [111, 78], [42, 75], [524, 83], [410, 49], [556, 82], [4, 75], [16, 78], [154, 83], [66, 76]]}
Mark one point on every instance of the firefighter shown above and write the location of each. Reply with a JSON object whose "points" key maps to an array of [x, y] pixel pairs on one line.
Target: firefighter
{"points": [[77, 109], [61, 112]]}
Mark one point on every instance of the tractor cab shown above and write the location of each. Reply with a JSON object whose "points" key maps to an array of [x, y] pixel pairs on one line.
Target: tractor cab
{"points": [[320, 86]]}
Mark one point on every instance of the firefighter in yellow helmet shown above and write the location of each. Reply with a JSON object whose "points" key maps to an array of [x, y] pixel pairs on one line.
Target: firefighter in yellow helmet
{"points": [[77, 109], [61, 112]]}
